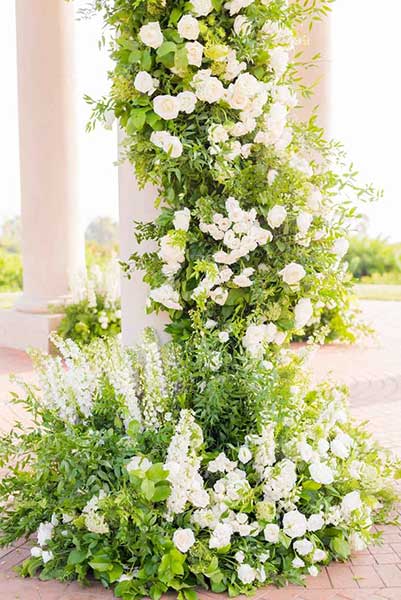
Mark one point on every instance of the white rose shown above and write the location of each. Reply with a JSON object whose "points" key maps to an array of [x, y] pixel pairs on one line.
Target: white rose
{"points": [[183, 539], [304, 221], [201, 8], [36, 552], [313, 571], [223, 337], [246, 574], [239, 556], [341, 445], [167, 296], [234, 6], [169, 143], [244, 454], [241, 25], [271, 533], [319, 555], [292, 273], [209, 89], [219, 295], [279, 59], [182, 219], [221, 536], [303, 312], [276, 216], [151, 34], [167, 107], [194, 53], [321, 473], [298, 563], [188, 27], [303, 547], [242, 280], [294, 524], [315, 522], [217, 134], [187, 102], [351, 502], [340, 247], [144, 83]]}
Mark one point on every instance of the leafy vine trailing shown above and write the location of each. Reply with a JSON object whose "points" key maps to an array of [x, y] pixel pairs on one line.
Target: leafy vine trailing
{"points": [[211, 461]]}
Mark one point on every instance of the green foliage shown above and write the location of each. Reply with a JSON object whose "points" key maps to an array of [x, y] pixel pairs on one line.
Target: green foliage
{"points": [[374, 260], [10, 271], [82, 322]]}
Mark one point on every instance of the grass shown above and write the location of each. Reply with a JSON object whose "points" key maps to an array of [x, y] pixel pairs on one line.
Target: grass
{"points": [[373, 291], [7, 299]]}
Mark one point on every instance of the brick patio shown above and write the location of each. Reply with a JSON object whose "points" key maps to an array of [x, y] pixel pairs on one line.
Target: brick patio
{"points": [[373, 371]]}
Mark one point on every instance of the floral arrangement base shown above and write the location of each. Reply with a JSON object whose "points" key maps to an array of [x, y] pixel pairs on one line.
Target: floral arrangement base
{"points": [[123, 479]]}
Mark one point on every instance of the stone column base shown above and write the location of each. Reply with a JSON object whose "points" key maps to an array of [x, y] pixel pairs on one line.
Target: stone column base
{"points": [[23, 330]]}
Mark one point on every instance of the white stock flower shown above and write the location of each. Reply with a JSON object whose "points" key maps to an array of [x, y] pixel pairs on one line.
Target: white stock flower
{"points": [[341, 445], [303, 547], [272, 533], [182, 219], [166, 295], [303, 312], [151, 34], [167, 107], [340, 247], [244, 455], [221, 464], [187, 102], [241, 25], [294, 524], [246, 574], [321, 473], [36, 552], [194, 53], [47, 556], [201, 8], [138, 463], [292, 273], [188, 27], [276, 216], [144, 83], [183, 539]]}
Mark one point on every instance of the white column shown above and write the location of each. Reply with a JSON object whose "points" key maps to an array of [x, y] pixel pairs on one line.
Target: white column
{"points": [[53, 244], [136, 205], [317, 41]]}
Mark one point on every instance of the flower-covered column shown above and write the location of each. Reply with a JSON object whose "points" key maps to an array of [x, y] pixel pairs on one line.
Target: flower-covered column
{"points": [[53, 245]]}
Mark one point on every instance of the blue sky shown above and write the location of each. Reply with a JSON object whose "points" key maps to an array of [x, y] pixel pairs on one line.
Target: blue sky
{"points": [[366, 113]]}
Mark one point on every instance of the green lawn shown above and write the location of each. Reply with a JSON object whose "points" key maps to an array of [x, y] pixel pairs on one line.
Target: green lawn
{"points": [[7, 300], [369, 291]]}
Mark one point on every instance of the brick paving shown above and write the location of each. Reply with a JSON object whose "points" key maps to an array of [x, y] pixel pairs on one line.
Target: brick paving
{"points": [[373, 371]]}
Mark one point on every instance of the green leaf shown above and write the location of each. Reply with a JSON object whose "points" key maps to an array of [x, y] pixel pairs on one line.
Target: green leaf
{"points": [[181, 59], [136, 120], [101, 562], [162, 492], [311, 485], [157, 472], [135, 56], [148, 489], [76, 556], [341, 547], [133, 429], [146, 61], [115, 573], [166, 48], [175, 16]]}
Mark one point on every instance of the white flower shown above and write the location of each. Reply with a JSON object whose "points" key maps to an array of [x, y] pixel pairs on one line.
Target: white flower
{"points": [[183, 539], [47, 555], [201, 8], [257, 336], [244, 454], [187, 102], [151, 34], [45, 533], [271, 176], [169, 143], [221, 536], [246, 573], [144, 83], [217, 134], [36, 552], [303, 312], [341, 445], [242, 280], [292, 273], [239, 556], [313, 571], [138, 463], [223, 336], [194, 53], [272, 533], [358, 544], [319, 555], [219, 295], [167, 296], [303, 547], [207, 88], [276, 216], [304, 221], [234, 6], [294, 524], [167, 107], [182, 219], [351, 502], [321, 473], [210, 324], [340, 247], [241, 25], [221, 464], [315, 522], [314, 200], [301, 164], [188, 27], [279, 59], [298, 563]]}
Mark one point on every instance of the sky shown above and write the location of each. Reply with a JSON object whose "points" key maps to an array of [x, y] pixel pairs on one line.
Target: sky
{"points": [[366, 91]]}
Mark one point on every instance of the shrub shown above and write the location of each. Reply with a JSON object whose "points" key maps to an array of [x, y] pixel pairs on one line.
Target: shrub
{"points": [[376, 257], [10, 271]]}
